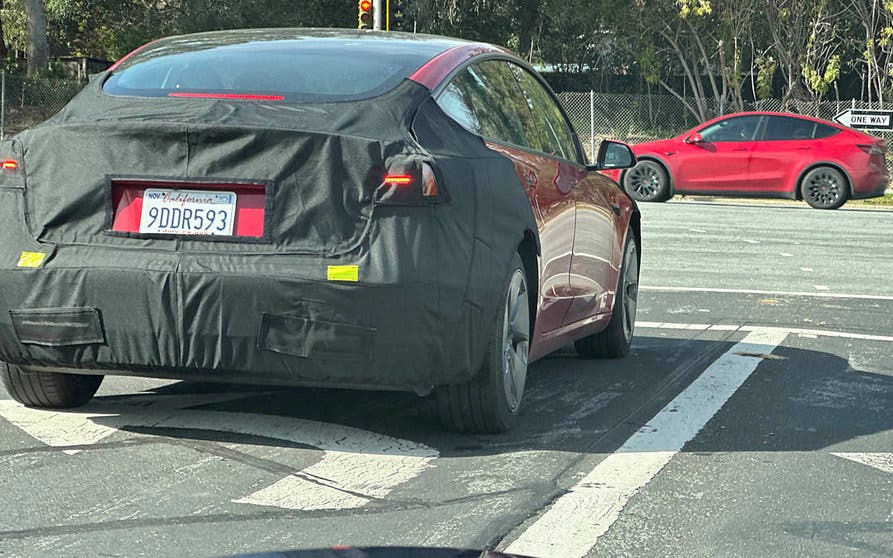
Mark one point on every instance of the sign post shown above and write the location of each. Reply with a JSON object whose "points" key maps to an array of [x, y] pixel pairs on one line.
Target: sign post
{"points": [[880, 120]]}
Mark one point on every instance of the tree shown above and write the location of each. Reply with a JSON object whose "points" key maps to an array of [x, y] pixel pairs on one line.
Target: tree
{"points": [[38, 49]]}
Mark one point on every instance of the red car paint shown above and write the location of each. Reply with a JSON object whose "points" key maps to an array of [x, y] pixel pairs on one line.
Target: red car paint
{"points": [[765, 167], [582, 218]]}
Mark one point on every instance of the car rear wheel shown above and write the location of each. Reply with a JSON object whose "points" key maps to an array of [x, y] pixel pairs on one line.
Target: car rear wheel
{"points": [[48, 390], [491, 402], [614, 341], [824, 188], [647, 181]]}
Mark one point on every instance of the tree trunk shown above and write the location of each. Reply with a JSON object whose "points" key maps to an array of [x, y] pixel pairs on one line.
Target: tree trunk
{"points": [[3, 52], [38, 50], [528, 16]]}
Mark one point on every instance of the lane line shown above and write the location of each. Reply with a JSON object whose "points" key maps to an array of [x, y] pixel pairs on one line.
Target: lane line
{"points": [[666, 289], [880, 461], [356, 468], [575, 521], [747, 329]]}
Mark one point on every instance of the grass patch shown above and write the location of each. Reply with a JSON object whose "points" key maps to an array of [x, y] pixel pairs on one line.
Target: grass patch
{"points": [[886, 200]]}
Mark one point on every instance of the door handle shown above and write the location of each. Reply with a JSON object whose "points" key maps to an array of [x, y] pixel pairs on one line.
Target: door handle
{"points": [[616, 207]]}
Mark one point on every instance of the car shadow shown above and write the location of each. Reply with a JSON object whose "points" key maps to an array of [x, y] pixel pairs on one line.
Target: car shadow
{"points": [[800, 400]]}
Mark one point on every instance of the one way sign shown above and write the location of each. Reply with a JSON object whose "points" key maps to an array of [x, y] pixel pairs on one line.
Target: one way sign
{"points": [[866, 119]]}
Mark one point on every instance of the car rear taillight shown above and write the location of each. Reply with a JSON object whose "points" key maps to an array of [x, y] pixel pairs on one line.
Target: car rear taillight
{"points": [[411, 185], [9, 165], [872, 149]]}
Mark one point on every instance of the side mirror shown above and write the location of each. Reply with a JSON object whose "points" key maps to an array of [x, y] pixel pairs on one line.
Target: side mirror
{"points": [[614, 155], [694, 138]]}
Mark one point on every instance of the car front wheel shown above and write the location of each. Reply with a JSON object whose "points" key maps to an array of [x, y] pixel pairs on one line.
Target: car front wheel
{"points": [[48, 390], [647, 181], [491, 402]]}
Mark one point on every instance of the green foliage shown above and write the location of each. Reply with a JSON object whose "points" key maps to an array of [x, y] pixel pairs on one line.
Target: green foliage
{"points": [[766, 67]]}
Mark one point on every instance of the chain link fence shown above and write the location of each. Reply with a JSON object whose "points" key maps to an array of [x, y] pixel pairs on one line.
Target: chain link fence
{"points": [[640, 118], [27, 101]]}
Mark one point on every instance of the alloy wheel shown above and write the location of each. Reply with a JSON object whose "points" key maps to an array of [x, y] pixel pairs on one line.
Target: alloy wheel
{"points": [[824, 188], [516, 341]]}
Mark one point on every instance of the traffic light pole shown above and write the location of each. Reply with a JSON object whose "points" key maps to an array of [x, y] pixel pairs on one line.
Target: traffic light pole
{"points": [[376, 14]]}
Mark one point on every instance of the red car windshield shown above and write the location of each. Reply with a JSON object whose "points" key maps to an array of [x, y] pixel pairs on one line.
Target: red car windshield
{"points": [[306, 69]]}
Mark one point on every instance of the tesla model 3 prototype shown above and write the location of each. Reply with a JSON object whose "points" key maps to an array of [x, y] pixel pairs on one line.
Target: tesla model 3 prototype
{"points": [[312, 207], [762, 154]]}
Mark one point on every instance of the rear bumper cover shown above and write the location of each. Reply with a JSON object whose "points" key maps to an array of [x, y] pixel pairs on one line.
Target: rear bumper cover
{"points": [[235, 327]]}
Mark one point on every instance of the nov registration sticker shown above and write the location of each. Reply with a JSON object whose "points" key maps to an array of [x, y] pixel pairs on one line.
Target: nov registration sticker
{"points": [[188, 212]]}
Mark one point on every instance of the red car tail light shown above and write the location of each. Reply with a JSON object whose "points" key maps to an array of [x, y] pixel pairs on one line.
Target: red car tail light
{"points": [[412, 184], [398, 179], [872, 149], [9, 164]]}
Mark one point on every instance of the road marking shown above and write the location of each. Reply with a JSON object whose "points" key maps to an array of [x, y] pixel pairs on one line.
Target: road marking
{"points": [[880, 461], [821, 287], [748, 329], [759, 292], [807, 269], [786, 254], [356, 468], [575, 521], [697, 230], [749, 241]]}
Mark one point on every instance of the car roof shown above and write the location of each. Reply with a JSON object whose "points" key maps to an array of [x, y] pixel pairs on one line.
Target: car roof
{"points": [[424, 46], [774, 113]]}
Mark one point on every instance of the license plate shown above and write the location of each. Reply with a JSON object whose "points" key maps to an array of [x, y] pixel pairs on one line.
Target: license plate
{"points": [[188, 212]]}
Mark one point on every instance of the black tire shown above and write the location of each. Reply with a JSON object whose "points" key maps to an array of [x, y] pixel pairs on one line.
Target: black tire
{"points": [[648, 181], [491, 402], [615, 340], [48, 390], [824, 188]]}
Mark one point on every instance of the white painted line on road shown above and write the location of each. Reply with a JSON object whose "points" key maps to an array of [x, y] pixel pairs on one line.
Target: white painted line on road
{"points": [[786, 254], [747, 329], [821, 287], [880, 461], [759, 292], [807, 269], [357, 466], [697, 230], [749, 241], [575, 521]]}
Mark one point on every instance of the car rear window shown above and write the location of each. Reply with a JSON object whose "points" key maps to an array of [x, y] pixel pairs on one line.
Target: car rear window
{"points": [[289, 70]]}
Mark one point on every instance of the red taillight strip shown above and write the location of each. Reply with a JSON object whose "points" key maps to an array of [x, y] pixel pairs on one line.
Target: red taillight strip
{"points": [[233, 96], [9, 164], [398, 179]]}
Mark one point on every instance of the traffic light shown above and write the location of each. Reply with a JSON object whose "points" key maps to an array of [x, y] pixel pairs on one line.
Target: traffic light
{"points": [[364, 14], [397, 9]]}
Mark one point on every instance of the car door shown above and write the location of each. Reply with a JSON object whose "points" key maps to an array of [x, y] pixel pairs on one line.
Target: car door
{"points": [[487, 100], [785, 146], [720, 163], [593, 273]]}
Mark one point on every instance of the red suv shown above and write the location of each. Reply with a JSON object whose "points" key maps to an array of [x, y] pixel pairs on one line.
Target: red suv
{"points": [[762, 154]]}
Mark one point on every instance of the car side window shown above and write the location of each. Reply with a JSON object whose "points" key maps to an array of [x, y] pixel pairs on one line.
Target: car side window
{"points": [[738, 128], [485, 98], [789, 128], [546, 128], [824, 131]]}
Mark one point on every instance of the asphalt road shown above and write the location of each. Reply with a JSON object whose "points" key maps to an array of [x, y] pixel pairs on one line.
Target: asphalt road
{"points": [[754, 417]]}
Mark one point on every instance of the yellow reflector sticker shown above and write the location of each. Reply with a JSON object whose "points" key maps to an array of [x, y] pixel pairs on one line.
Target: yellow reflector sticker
{"points": [[344, 273], [31, 259]]}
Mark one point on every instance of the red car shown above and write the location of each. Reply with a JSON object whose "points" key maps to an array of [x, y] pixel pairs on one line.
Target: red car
{"points": [[312, 207], [762, 154]]}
